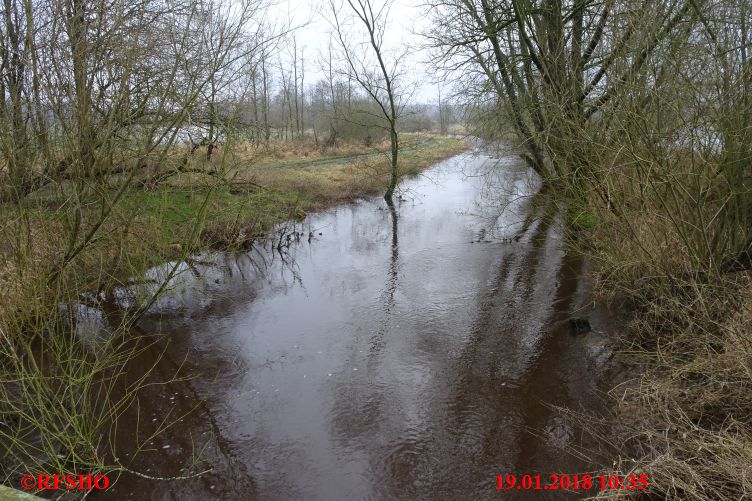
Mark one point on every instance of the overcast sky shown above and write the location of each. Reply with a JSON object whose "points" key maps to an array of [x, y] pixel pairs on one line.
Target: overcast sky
{"points": [[406, 17]]}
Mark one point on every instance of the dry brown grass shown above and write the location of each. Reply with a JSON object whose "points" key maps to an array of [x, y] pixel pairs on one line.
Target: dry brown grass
{"points": [[341, 179], [683, 408], [297, 150], [686, 420]]}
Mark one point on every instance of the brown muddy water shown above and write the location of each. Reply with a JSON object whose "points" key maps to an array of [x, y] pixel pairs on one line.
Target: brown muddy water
{"points": [[413, 354]]}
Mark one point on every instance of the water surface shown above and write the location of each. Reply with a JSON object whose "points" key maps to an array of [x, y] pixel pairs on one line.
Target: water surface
{"points": [[406, 354]]}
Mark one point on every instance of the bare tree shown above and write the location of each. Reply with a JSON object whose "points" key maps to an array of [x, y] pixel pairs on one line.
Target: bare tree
{"points": [[553, 66], [380, 83]]}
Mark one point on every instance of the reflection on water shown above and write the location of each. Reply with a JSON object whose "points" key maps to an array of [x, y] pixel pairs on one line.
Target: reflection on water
{"points": [[406, 352]]}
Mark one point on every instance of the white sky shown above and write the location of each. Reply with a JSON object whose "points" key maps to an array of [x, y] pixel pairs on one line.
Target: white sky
{"points": [[405, 17]]}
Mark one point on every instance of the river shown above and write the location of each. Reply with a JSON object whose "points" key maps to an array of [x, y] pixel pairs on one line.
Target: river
{"points": [[407, 354]]}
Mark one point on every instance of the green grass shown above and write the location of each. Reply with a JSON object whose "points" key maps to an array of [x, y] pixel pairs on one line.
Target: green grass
{"points": [[170, 214], [579, 219]]}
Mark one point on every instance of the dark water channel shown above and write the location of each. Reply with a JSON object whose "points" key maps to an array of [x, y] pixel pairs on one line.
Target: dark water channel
{"points": [[397, 355]]}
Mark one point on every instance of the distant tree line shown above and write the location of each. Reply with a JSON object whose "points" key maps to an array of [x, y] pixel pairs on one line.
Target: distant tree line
{"points": [[91, 89]]}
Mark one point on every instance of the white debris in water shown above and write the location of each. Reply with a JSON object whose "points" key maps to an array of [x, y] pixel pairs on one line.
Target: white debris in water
{"points": [[330, 374], [166, 446], [355, 368]]}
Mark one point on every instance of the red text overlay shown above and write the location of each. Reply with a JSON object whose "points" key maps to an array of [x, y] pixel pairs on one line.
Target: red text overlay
{"points": [[574, 482], [60, 482]]}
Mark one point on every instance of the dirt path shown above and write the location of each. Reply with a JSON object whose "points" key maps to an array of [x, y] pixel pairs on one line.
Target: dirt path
{"points": [[422, 141]]}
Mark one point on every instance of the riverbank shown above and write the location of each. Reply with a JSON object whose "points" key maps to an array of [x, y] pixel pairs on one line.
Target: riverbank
{"points": [[278, 185], [682, 406], [227, 202]]}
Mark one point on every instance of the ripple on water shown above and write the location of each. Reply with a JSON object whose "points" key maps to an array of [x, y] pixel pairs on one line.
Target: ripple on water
{"points": [[392, 360]]}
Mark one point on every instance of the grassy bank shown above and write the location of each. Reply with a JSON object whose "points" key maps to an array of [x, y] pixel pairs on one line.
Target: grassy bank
{"points": [[237, 196], [272, 186]]}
